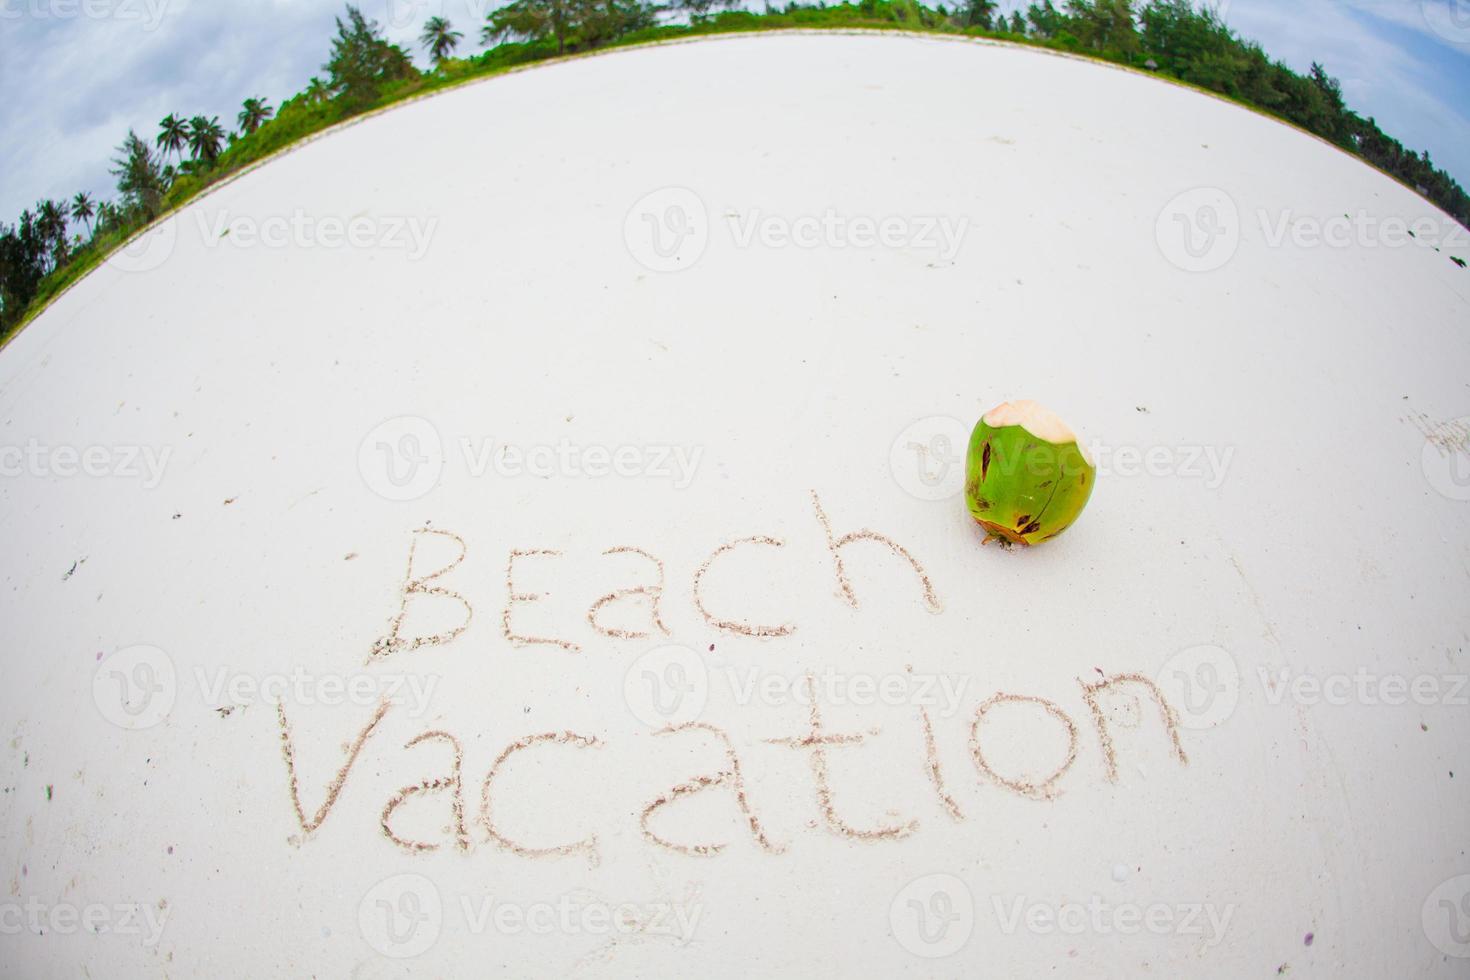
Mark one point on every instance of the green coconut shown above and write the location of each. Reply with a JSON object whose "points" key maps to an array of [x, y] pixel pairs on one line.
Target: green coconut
{"points": [[1027, 475]]}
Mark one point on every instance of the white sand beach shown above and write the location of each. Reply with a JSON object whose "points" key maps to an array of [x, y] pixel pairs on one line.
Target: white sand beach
{"points": [[589, 324]]}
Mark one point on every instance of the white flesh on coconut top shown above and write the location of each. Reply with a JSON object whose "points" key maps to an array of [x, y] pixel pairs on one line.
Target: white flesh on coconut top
{"points": [[1038, 420]]}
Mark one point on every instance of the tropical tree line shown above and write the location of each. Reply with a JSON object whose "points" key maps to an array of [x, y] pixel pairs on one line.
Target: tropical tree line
{"points": [[56, 241]]}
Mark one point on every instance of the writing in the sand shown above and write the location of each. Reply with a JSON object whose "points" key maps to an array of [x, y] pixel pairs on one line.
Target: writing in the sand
{"points": [[478, 822]]}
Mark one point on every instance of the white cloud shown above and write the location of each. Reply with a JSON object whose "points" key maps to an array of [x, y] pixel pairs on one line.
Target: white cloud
{"points": [[1408, 95], [1446, 22]]}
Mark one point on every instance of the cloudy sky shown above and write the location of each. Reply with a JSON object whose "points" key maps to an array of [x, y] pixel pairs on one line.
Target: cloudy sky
{"points": [[77, 74]]}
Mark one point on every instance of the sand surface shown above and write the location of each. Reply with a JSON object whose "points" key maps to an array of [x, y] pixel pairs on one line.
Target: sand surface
{"points": [[552, 267]]}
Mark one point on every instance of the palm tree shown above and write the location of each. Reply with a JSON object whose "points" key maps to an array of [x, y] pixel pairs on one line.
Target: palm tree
{"points": [[315, 90], [440, 38], [254, 115], [83, 209], [51, 223], [173, 135], [976, 13], [205, 138], [107, 216]]}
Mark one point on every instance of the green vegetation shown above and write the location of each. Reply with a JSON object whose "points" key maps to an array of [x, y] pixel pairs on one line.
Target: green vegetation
{"points": [[44, 251]]}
